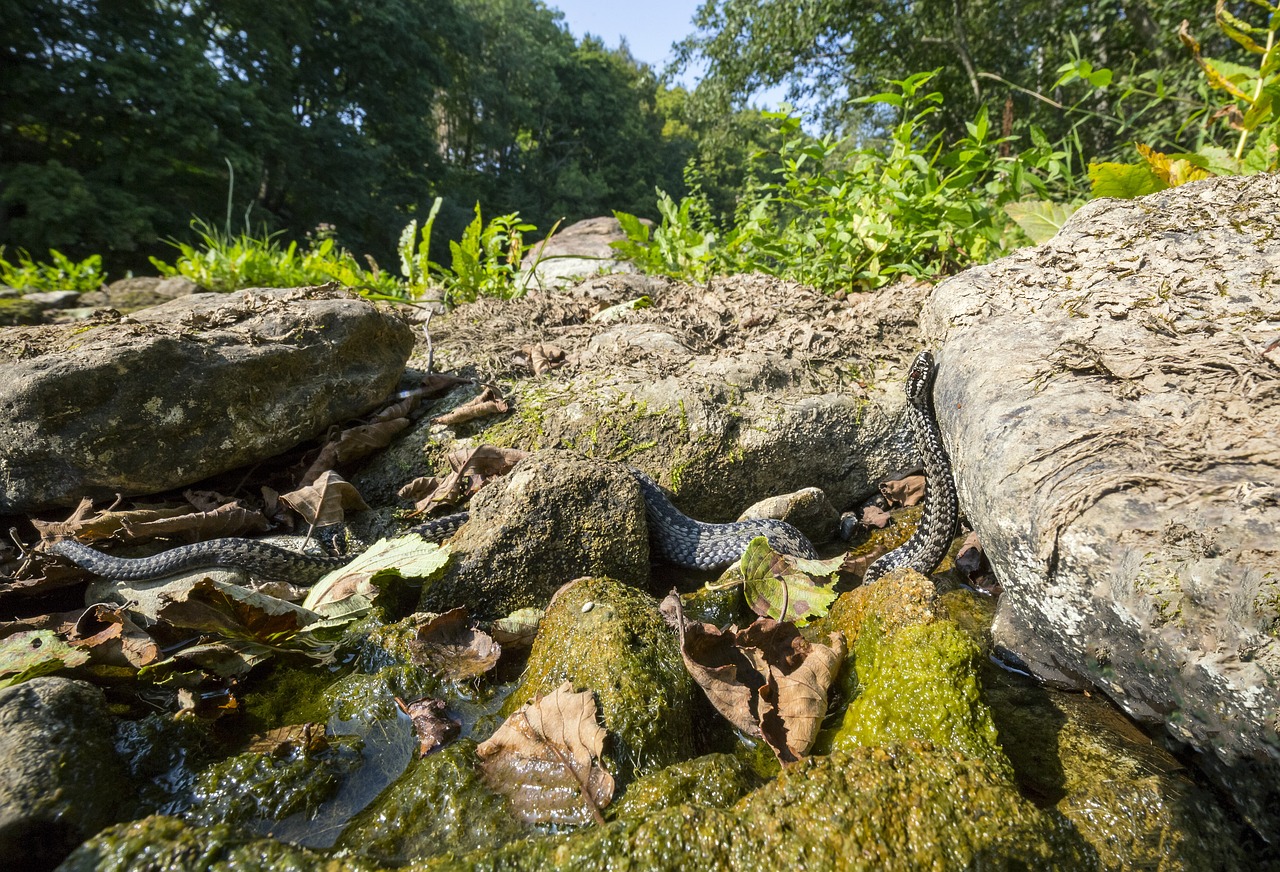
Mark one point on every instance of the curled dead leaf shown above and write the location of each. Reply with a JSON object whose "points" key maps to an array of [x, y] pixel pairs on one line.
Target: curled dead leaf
{"points": [[434, 728], [487, 404], [325, 502], [452, 645], [905, 491], [545, 759]]}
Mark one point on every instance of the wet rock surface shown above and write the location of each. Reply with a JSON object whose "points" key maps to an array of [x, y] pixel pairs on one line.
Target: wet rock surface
{"points": [[178, 392], [1112, 416], [62, 778]]}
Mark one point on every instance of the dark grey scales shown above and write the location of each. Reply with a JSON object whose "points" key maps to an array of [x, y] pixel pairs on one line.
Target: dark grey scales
{"points": [[676, 537], [932, 537]]}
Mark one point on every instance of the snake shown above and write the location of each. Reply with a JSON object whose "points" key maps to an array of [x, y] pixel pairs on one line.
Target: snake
{"points": [[676, 537]]}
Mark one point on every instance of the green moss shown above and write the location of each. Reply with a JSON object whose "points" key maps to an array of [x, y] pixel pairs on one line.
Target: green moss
{"points": [[609, 638], [909, 807], [440, 804], [713, 780], [373, 696], [286, 695], [921, 683], [165, 844]]}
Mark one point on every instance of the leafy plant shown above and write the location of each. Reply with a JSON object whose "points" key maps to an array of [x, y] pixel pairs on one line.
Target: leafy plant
{"points": [[838, 216], [415, 260], [1250, 98], [486, 260], [222, 262], [63, 274]]}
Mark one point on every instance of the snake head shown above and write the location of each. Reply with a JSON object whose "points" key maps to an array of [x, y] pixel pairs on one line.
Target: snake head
{"points": [[919, 378]]}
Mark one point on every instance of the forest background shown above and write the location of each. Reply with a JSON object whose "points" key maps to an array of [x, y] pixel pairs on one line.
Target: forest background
{"points": [[127, 126]]}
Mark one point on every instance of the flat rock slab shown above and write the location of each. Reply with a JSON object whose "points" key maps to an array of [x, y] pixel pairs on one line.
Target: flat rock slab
{"points": [[1111, 401], [178, 392]]}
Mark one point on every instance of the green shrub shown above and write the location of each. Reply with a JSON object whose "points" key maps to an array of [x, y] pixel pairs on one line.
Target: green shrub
{"points": [[841, 217]]}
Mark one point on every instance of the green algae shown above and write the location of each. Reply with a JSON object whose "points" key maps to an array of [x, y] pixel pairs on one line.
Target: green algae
{"points": [[440, 804], [166, 844], [921, 683], [908, 807], [712, 780], [253, 789], [609, 638]]}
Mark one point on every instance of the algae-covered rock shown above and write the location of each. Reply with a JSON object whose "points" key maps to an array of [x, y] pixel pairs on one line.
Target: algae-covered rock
{"points": [[899, 599], [1130, 799], [606, 637], [555, 517], [712, 780], [921, 683], [908, 807], [165, 844], [440, 804]]}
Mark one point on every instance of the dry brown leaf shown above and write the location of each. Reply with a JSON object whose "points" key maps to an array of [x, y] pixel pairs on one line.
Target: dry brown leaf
{"points": [[286, 741], [421, 487], [325, 502], [767, 679], [354, 443], [112, 639], [874, 517], [970, 558], [232, 519], [472, 469], [433, 727], [793, 699], [488, 403], [906, 491], [541, 357], [453, 646], [545, 759], [108, 524]]}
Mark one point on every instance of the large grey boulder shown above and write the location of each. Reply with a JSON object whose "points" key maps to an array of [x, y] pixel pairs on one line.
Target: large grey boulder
{"points": [[62, 780], [177, 392], [1112, 411], [579, 251]]}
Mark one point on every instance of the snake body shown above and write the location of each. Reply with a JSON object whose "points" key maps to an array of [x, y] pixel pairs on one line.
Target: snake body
{"points": [[676, 537], [932, 537]]}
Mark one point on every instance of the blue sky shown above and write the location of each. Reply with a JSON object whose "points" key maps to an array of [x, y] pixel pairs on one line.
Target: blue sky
{"points": [[650, 28]]}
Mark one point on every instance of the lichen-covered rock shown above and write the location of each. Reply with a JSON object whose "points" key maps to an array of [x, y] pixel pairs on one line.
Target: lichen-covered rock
{"points": [[557, 516], [165, 843], [727, 393], [179, 392], [1111, 408], [609, 638], [62, 779]]}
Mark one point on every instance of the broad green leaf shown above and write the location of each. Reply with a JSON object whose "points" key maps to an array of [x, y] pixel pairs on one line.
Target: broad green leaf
{"points": [[1124, 181], [33, 653], [772, 582], [1039, 219], [404, 557]]}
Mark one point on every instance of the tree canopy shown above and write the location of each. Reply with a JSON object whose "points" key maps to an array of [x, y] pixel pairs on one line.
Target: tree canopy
{"points": [[123, 119]]}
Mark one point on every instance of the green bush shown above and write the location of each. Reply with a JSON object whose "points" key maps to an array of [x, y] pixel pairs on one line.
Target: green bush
{"points": [[841, 217]]}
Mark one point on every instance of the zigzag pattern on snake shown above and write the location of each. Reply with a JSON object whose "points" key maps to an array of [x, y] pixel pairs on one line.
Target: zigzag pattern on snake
{"points": [[675, 536]]}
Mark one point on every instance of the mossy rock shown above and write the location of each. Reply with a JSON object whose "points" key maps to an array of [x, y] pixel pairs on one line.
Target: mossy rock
{"points": [[20, 312], [1130, 799], [166, 844], [922, 682], [907, 807], [712, 780], [606, 637]]}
